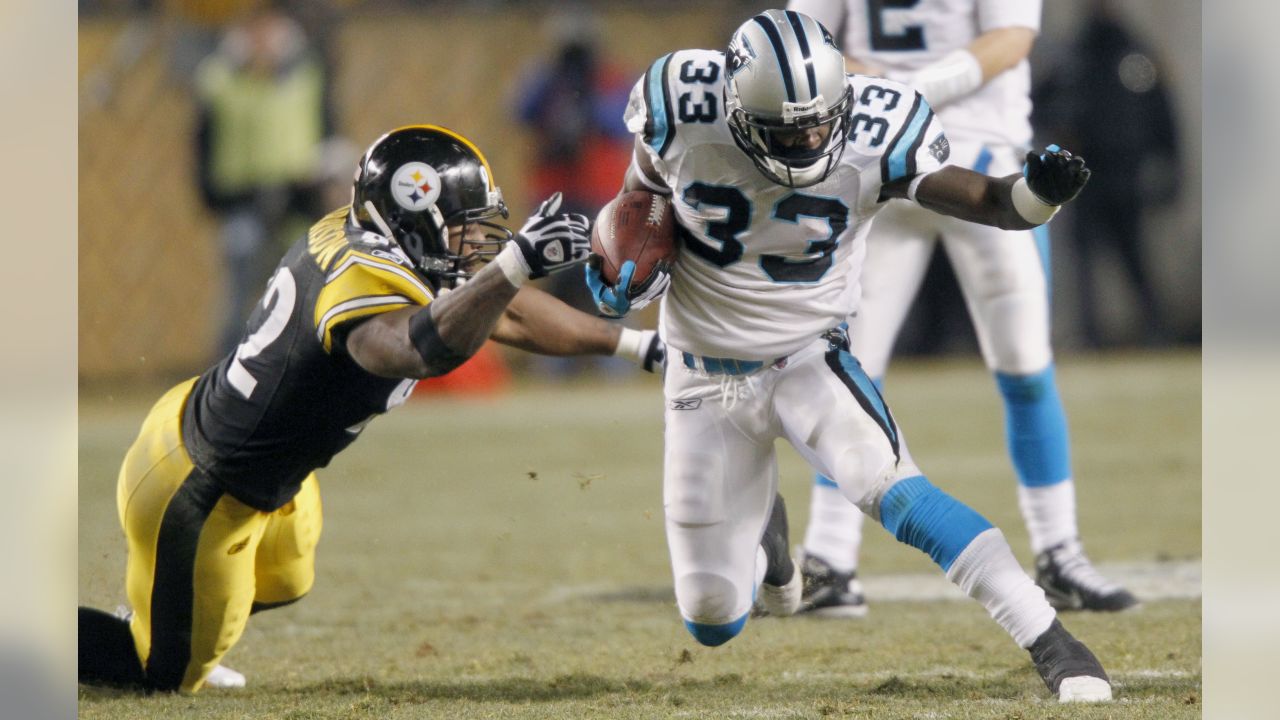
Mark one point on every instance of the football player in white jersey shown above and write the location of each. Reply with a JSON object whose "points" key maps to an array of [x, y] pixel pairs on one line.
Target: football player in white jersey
{"points": [[968, 59], [776, 163]]}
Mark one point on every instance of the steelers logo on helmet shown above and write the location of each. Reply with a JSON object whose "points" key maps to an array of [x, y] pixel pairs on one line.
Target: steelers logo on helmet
{"points": [[415, 186]]}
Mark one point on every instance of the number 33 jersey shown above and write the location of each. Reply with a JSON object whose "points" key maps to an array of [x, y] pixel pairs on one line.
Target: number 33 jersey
{"points": [[764, 268], [290, 397]]}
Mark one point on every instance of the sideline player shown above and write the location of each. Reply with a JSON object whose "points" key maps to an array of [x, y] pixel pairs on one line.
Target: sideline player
{"points": [[968, 59], [776, 163], [218, 495]]}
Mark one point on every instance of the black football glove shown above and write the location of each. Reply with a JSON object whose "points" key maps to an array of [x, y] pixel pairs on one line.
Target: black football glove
{"points": [[549, 243], [1055, 176]]}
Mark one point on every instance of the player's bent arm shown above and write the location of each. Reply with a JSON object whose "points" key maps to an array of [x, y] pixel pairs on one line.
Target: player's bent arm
{"points": [[641, 174], [538, 322], [965, 194], [420, 342]]}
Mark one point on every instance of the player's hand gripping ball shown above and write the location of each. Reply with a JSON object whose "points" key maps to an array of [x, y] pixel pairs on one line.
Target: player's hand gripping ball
{"points": [[633, 245]]}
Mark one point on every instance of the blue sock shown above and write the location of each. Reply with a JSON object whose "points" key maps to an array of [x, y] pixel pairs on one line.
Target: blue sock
{"points": [[1036, 428], [713, 635], [922, 516]]}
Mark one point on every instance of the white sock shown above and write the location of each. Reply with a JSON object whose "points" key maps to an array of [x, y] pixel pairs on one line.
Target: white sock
{"points": [[835, 528], [987, 572], [1050, 513]]}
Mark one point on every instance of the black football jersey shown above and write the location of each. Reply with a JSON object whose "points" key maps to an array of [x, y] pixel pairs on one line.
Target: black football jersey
{"points": [[290, 397]]}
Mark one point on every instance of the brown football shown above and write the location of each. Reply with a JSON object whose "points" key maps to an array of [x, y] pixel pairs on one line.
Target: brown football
{"points": [[639, 226]]}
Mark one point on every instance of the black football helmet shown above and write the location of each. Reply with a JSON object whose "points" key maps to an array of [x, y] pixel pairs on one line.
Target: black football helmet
{"points": [[416, 182]]}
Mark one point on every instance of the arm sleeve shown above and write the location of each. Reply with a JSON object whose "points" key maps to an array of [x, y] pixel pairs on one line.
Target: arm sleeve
{"points": [[994, 14], [360, 286], [919, 145]]}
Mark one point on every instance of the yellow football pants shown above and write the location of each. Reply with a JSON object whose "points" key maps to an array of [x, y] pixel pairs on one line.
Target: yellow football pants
{"points": [[200, 560]]}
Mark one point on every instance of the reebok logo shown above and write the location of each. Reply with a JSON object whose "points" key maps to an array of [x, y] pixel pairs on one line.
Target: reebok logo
{"points": [[686, 404]]}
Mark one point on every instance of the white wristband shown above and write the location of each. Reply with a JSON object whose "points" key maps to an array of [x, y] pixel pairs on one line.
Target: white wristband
{"points": [[513, 265], [631, 343], [1031, 208], [957, 74]]}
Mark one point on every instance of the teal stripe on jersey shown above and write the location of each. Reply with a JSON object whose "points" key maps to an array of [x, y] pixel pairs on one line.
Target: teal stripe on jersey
{"points": [[658, 129], [902, 161]]}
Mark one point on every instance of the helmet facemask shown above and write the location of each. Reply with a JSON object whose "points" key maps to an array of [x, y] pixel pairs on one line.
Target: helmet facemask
{"points": [[792, 165]]}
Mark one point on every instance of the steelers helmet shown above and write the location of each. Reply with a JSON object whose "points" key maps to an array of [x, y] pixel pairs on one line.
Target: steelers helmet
{"points": [[416, 182], [783, 73]]}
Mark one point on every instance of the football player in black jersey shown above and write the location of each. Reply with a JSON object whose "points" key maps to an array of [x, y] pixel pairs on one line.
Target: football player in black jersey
{"points": [[218, 495]]}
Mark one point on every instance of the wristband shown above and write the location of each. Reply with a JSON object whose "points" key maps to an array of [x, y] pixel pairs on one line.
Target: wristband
{"points": [[631, 345], [512, 263], [1031, 208], [957, 74]]}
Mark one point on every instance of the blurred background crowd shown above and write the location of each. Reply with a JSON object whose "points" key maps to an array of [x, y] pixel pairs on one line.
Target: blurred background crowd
{"points": [[212, 132]]}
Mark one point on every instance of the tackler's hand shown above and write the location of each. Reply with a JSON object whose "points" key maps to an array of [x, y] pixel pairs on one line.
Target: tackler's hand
{"points": [[1055, 176], [549, 243]]}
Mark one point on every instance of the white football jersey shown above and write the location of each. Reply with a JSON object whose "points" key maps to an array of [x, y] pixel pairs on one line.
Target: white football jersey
{"points": [[902, 37], [764, 268]]}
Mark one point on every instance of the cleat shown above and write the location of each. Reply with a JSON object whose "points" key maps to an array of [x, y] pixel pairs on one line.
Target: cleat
{"points": [[780, 591], [1070, 582], [830, 593], [222, 676], [1068, 668]]}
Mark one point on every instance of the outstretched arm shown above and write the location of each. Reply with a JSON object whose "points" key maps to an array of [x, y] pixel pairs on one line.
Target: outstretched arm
{"points": [[423, 342], [538, 322], [1014, 202]]}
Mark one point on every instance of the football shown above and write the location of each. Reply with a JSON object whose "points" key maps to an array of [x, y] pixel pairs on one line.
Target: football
{"points": [[639, 226]]}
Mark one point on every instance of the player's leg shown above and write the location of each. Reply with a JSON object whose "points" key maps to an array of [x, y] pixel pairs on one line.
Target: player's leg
{"points": [[1004, 279], [834, 416], [285, 567], [189, 575], [718, 487], [898, 252]]}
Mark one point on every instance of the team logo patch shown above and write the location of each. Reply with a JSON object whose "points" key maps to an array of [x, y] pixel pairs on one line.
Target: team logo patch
{"points": [[740, 55], [686, 404], [940, 148], [415, 186]]}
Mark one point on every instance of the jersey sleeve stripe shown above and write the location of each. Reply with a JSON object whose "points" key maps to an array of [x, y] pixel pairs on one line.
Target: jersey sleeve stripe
{"points": [[798, 29], [380, 266], [659, 126], [780, 53], [352, 309], [900, 159]]}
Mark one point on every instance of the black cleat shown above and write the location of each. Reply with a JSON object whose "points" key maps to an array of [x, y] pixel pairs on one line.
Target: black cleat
{"points": [[1070, 581], [780, 591], [1068, 668], [830, 593]]}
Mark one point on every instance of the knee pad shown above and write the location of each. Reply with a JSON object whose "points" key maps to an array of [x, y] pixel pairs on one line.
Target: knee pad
{"points": [[919, 514], [710, 604]]}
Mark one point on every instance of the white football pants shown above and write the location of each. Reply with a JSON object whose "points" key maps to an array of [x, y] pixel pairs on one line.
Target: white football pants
{"points": [[720, 468]]}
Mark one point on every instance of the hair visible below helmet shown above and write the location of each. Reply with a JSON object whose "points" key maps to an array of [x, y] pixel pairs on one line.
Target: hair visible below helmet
{"points": [[783, 73], [414, 183]]}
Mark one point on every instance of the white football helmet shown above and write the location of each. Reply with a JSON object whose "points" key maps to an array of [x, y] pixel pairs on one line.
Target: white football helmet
{"points": [[783, 73]]}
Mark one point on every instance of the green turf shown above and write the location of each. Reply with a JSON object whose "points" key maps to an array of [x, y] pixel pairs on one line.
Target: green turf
{"points": [[505, 558]]}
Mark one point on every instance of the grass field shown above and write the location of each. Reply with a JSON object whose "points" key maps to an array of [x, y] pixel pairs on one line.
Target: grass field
{"points": [[505, 558]]}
